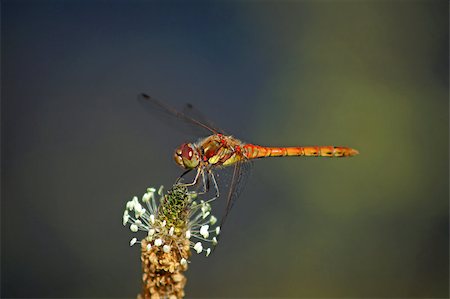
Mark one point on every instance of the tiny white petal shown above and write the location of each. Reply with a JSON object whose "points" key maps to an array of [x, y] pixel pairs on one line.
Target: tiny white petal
{"points": [[125, 219], [204, 231], [133, 241], [217, 230], [163, 223], [183, 261], [198, 247], [138, 222], [171, 231], [152, 218], [158, 242], [213, 220], [130, 205], [134, 228], [151, 190], [205, 208], [137, 207], [166, 248], [149, 246], [214, 241], [206, 215], [151, 232], [146, 197], [138, 210], [142, 212], [208, 251], [188, 234]]}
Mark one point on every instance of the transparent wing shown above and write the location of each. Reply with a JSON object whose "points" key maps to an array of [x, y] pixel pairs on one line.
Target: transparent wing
{"points": [[190, 111], [241, 173], [180, 120]]}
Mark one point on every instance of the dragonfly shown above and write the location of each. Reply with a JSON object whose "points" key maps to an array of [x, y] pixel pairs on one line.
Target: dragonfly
{"points": [[220, 150]]}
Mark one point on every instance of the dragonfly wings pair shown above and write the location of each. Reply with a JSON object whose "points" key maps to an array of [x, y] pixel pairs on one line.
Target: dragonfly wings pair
{"points": [[193, 122]]}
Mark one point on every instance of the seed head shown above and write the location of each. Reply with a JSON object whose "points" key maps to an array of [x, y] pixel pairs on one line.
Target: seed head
{"points": [[173, 223]]}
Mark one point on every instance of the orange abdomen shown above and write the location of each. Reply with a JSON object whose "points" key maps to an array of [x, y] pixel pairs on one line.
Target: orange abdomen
{"points": [[255, 151]]}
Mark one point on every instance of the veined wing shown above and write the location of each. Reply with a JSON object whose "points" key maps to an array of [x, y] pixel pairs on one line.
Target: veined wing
{"points": [[192, 112], [200, 127], [241, 173]]}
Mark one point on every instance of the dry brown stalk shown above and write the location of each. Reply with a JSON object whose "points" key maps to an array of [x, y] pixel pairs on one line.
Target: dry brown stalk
{"points": [[162, 272]]}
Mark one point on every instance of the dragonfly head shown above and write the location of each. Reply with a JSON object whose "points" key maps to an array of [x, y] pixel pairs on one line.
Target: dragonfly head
{"points": [[187, 156]]}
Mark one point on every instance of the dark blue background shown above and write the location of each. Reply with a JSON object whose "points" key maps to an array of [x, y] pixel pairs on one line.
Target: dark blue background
{"points": [[76, 145]]}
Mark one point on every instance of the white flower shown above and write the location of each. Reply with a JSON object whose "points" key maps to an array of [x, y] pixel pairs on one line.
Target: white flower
{"points": [[158, 242], [198, 247], [134, 228], [204, 231], [138, 210], [206, 208], [161, 228], [183, 262], [130, 205], [142, 212], [198, 227], [146, 197], [125, 217], [137, 207]]}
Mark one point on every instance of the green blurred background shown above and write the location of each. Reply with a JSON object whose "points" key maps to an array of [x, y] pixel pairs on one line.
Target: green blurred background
{"points": [[76, 145]]}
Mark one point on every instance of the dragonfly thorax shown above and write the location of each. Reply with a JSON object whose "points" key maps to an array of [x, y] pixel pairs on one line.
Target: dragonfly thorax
{"points": [[187, 156]]}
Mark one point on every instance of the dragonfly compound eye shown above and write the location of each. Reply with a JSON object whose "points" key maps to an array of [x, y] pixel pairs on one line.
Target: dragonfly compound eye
{"points": [[189, 156], [187, 152]]}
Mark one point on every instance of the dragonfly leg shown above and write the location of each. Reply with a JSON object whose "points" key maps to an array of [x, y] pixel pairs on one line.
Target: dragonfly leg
{"points": [[195, 179], [213, 179], [182, 175], [205, 183]]}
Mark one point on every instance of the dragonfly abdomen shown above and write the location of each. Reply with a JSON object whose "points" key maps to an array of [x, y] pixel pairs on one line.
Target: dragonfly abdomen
{"points": [[255, 151]]}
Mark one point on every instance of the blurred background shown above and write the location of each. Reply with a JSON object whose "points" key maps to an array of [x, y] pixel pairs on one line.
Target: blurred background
{"points": [[76, 145]]}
